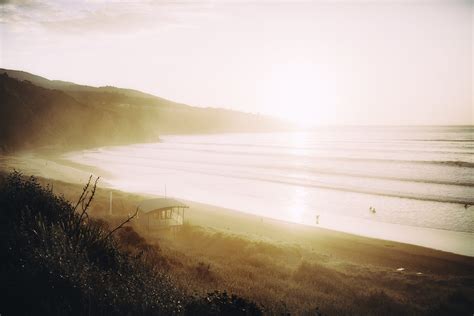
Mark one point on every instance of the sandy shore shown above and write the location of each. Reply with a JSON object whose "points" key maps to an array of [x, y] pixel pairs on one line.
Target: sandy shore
{"points": [[50, 164]]}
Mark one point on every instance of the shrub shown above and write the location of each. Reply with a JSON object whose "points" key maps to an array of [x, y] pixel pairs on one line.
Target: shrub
{"points": [[221, 303], [204, 271], [58, 261]]}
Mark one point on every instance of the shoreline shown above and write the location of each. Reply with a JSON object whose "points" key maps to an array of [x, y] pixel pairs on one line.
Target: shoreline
{"points": [[257, 227], [51, 165]]}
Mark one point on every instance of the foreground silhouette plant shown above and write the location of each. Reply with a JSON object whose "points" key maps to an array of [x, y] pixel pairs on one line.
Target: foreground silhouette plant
{"points": [[59, 261], [221, 303]]}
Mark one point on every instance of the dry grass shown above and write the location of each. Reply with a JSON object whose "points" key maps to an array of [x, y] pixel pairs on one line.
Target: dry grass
{"points": [[287, 278]]}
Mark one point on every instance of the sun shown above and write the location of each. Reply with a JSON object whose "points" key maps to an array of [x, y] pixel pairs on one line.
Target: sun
{"points": [[296, 92]]}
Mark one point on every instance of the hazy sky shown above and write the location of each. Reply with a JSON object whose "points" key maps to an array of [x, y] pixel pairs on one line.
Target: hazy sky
{"points": [[319, 62]]}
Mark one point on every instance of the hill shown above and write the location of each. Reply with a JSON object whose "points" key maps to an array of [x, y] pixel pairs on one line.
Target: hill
{"points": [[32, 116], [70, 86], [37, 112]]}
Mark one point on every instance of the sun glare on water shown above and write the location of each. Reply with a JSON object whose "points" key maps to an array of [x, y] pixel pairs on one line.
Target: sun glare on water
{"points": [[298, 205]]}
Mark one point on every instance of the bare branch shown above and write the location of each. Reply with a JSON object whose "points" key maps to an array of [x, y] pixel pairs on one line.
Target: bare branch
{"points": [[91, 197], [121, 225], [83, 200], [84, 191]]}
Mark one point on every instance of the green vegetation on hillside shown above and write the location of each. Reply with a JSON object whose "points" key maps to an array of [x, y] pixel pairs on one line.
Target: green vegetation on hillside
{"points": [[37, 112], [32, 116]]}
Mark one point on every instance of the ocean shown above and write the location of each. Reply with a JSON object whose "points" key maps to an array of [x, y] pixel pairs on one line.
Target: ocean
{"points": [[407, 184]]}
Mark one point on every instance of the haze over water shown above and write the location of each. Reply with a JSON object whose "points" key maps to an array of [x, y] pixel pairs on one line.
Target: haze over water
{"points": [[419, 180]]}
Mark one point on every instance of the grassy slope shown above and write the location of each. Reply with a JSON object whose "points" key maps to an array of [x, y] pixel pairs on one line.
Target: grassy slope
{"points": [[306, 270], [58, 261]]}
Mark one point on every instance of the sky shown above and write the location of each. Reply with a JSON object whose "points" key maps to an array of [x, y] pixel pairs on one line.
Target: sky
{"points": [[315, 62]]}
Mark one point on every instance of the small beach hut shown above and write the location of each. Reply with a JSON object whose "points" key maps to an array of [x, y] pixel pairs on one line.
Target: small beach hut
{"points": [[161, 213]]}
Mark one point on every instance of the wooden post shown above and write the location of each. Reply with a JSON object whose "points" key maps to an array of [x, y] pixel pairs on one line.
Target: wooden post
{"points": [[110, 203]]}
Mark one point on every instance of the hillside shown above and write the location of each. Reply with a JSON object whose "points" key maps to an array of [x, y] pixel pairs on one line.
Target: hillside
{"points": [[62, 262], [71, 86], [32, 116], [36, 112]]}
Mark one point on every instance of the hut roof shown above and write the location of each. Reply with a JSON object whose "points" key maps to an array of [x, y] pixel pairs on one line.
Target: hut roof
{"points": [[160, 204]]}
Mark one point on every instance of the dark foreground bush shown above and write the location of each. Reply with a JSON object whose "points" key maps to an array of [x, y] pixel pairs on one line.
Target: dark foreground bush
{"points": [[222, 304], [58, 261]]}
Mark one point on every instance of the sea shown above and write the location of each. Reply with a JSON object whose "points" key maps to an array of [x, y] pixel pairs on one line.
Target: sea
{"points": [[407, 184]]}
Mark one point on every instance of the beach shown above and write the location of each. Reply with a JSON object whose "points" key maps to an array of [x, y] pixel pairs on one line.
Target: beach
{"points": [[338, 180], [405, 184]]}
